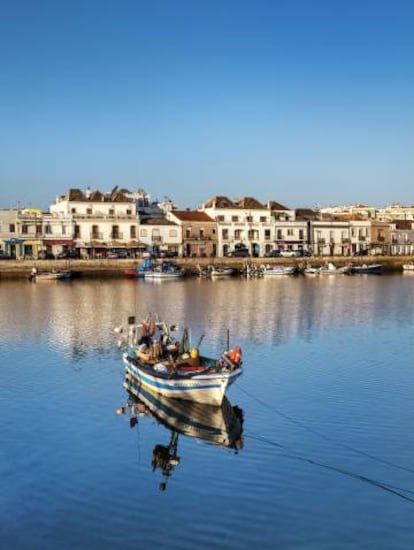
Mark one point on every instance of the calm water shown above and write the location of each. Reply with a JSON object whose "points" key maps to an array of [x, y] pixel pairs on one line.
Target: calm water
{"points": [[327, 396]]}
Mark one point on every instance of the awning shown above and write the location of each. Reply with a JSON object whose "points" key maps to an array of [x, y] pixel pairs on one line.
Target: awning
{"points": [[58, 241]]}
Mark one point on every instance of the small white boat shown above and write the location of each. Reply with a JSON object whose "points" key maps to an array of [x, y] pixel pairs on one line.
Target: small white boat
{"points": [[408, 267], [50, 275], [328, 269], [217, 271], [170, 368], [311, 270], [268, 270], [166, 270]]}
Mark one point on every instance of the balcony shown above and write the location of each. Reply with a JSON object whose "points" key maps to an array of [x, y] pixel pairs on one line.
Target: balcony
{"points": [[96, 236], [116, 236]]}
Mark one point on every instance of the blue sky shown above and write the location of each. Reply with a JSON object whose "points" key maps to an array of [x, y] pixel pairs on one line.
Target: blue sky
{"points": [[303, 102]]}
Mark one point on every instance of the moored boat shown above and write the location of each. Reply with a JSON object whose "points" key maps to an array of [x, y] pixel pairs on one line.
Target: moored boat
{"points": [[408, 267], [277, 270], [37, 276], [166, 270], [366, 268]]}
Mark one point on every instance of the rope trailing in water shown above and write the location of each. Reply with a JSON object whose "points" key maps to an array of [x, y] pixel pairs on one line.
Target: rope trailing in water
{"points": [[397, 491]]}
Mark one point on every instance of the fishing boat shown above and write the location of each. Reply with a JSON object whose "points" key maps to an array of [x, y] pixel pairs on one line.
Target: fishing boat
{"points": [[221, 426], [166, 270], [277, 270], [38, 276], [366, 268], [173, 368]]}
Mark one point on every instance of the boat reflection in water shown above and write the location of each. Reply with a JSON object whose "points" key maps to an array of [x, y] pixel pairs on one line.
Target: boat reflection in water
{"points": [[216, 425]]}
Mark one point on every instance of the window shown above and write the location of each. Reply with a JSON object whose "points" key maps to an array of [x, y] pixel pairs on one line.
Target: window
{"points": [[77, 232], [25, 229], [132, 232], [48, 229], [279, 235], [301, 234], [290, 232], [63, 229], [89, 211], [238, 234], [188, 232], [95, 232], [225, 234], [173, 233], [143, 232], [12, 228], [201, 233], [115, 232], [73, 210], [267, 234], [111, 212], [235, 218], [249, 219], [129, 212], [220, 218], [263, 219]]}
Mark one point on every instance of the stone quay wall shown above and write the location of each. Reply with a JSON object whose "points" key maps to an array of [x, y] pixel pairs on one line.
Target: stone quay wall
{"points": [[116, 267]]}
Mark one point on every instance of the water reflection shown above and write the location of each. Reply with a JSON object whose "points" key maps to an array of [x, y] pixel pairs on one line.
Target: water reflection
{"points": [[79, 317], [221, 426]]}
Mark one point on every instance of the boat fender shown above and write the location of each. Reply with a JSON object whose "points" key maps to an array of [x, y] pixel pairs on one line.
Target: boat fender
{"points": [[235, 355]]}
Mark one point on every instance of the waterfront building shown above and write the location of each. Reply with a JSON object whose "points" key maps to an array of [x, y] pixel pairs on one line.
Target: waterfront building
{"points": [[402, 237], [160, 236], [330, 237], [380, 237], [360, 235], [31, 233], [102, 222], [244, 222], [198, 232], [291, 228]]}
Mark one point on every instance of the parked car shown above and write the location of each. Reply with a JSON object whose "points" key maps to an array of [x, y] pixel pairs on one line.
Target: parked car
{"points": [[67, 254], [273, 254], [240, 253], [44, 255], [117, 254], [290, 253]]}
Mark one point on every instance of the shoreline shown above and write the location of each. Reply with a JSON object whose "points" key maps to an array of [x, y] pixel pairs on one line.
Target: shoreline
{"points": [[19, 269]]}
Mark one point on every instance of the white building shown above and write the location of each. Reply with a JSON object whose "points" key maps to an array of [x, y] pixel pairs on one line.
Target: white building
{"points": [[101, 221], [245, 221]]}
